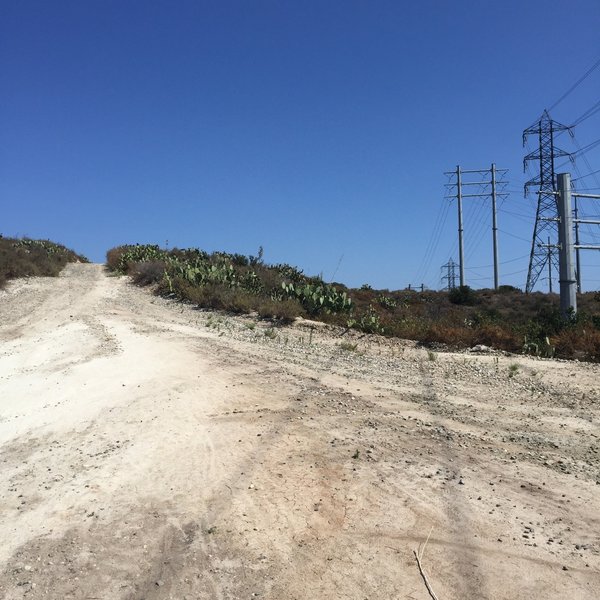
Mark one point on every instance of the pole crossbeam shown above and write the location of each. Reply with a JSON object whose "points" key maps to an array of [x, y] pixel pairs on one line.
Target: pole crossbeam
{"points": [[484, 195], [482, 183], [475, 171]]}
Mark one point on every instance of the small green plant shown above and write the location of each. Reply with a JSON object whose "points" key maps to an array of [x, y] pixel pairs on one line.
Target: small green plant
{"points": [[513, 369], [387, 302], [348, 346], [369, 322], [251, 325], [356, 454], [431, 355], [317, 298], [270, 333], [542, 347]]}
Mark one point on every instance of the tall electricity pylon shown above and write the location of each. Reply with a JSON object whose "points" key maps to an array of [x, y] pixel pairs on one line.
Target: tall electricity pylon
{"points": [[544, 244], [450, 269]]}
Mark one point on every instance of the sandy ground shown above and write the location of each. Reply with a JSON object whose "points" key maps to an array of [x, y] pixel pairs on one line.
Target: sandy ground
{"points": [[149, 450]]}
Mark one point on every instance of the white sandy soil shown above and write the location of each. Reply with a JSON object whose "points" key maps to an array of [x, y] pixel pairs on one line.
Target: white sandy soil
{"points": [[150, 450]]}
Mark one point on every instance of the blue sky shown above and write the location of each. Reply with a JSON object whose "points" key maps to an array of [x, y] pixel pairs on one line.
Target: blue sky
{"points": [[318, 130]]}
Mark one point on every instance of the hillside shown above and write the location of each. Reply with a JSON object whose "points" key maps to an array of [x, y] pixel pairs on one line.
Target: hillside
{"points": [[506, 319]]}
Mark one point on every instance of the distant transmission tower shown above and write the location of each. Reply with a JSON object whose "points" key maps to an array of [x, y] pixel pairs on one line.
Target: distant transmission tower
{"points": [[544, 245], [450, 278]]}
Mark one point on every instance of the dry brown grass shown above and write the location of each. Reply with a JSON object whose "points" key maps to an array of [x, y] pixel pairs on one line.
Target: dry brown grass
{"points": [[582, 343], [27, 258], [147, 273]]}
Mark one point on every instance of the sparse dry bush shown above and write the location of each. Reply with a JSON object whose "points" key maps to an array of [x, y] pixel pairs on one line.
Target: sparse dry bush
{"points": [[26, 257], [582, 343], [286, 310], [498, 337], [147, 273], [113, 257]]}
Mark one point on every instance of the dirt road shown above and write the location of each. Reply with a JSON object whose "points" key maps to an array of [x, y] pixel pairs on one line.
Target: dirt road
{"points": [[149, 450]]}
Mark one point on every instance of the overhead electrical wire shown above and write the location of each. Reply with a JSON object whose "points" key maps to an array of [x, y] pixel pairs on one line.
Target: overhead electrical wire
{"points": [[581, 152], [576, 84], [520, 216], [433, 241], [588, 175], [504, 262], [513, 235], [587, 114]]}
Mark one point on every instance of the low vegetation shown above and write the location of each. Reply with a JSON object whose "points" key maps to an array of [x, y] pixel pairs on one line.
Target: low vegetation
{"points": [[506, 319], [24, 257], [230, 282]]}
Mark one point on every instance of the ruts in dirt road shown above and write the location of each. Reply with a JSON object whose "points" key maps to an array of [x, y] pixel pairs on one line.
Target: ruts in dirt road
{"points": [[151, 450]]}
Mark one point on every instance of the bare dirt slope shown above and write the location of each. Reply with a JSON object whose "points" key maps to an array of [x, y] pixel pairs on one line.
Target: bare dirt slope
{"points": [[149, 450]]}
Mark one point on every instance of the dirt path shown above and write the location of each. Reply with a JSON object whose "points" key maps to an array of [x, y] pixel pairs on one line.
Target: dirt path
{"points": [[149, 450]]}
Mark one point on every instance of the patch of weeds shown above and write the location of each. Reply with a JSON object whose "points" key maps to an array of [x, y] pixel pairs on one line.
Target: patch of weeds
{"points": [[513, 369], [270, 333], [356, 454], [348, 346], [250, 325], [431, 355], [212, 529]]}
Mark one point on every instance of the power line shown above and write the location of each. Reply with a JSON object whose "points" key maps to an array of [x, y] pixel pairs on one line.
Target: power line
{"points": [[505, 262], [515, 236], [577, 84], [590, 112], [586, 148], [433, 241], [587, 114], [518, 215], [588, 175], [581, 151]]}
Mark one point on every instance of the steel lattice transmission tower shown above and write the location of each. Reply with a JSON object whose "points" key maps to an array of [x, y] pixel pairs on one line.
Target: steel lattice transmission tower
{"points": [[544, 244], [450, 269]]}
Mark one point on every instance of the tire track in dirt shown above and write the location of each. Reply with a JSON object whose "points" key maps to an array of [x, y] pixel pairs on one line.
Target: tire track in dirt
{"points": [[222, 463]]}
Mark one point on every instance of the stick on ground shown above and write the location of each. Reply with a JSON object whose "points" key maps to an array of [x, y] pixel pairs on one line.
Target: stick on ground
{"points": [[431, 592]]}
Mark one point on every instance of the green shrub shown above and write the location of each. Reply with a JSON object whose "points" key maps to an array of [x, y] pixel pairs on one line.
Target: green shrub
{"points": [[462, 294], [317, 298]]}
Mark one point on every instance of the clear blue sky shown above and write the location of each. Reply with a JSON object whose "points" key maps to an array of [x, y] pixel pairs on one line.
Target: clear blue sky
{"points": [[318, 130]]}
